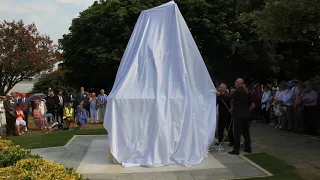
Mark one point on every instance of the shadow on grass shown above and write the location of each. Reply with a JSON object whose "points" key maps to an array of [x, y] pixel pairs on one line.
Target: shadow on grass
{"points": [[278, 168]]}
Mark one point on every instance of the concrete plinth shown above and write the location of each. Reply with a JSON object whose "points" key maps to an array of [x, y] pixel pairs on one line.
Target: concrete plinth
{"points": [[114, 161]]}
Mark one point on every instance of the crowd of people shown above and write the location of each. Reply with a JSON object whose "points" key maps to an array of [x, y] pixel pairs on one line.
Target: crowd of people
{"points": [[290, 106], [53, 111]]}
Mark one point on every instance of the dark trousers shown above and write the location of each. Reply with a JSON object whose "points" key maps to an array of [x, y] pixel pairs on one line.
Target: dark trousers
{"points": [[287, 123], [266, 115], [224, 123], [11, 123], [60, 114], [298, 120], [241, 127], [310, 119], [257, 111], [53, 112], [26, 116], [87, 107]]}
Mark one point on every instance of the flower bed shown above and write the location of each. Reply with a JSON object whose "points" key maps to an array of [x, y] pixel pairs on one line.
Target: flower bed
{"points": [[17, 163]]}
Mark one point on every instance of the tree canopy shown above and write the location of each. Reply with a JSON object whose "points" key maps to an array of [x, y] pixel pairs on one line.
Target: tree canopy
{"points": [[54, 80], [257, 39], [293, 27], [24, 52]]}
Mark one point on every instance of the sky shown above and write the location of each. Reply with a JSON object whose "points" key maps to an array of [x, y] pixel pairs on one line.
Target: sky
{"points": [[52, 17]]}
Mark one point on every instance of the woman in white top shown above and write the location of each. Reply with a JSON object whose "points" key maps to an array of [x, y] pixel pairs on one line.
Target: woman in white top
{"points": [[278, 108], [42, 106], [265, 101]]}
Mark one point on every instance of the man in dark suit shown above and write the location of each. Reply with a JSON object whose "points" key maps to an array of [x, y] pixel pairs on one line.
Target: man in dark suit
{"points": [[224, 122], [51, 106], [81, 96], [24, 100], [60, 102], [242, 108], [9, 105], [241, 112], [15, 97]]}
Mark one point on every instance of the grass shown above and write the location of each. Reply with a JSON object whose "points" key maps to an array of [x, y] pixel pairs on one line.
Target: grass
{"points": [[36, 139], [278, 168]]}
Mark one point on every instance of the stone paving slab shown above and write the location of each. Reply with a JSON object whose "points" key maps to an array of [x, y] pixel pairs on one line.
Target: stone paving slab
{"points": [[300, 151], [75, 152]]}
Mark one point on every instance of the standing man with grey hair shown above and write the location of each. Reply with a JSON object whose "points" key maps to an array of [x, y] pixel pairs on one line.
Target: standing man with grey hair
{"points": [[102, 103], [9, 106], [287, 100], [242, 105], [224, 121]]}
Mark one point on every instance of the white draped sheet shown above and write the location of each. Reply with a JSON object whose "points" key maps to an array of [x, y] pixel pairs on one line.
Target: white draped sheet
{"points": [[162, 108]]}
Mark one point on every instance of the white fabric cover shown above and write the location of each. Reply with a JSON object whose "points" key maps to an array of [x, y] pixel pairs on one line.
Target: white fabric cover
{"points": [[162, 108]]}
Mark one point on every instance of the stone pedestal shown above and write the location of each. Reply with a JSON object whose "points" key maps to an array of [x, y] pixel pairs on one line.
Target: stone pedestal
{"points": [[114, 161]]}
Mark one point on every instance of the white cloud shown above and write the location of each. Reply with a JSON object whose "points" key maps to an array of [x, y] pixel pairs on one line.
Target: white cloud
{"points": [[77, 2], [52, 17]]}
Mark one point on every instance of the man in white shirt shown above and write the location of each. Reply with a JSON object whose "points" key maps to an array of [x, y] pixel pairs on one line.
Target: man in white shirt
{"points": [[265, 101], [287, 100]]}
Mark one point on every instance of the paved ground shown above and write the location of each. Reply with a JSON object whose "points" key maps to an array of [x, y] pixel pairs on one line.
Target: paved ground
{"points": [[301, 151], [76, 155]]}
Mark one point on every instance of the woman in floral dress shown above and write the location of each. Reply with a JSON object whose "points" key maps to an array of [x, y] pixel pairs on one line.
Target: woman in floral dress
{"points": [[39, 120], [82, 116]]}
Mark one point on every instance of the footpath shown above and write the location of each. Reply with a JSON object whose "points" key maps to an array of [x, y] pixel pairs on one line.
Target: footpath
{"points": [[300, 151]]}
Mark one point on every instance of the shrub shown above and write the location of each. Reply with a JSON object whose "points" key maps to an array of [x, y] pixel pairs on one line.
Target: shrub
{"points": [[10, 154], [17, 163], [38, 169]]}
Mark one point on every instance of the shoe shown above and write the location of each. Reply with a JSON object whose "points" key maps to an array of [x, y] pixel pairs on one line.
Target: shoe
{"points": [[247, 150], [234, 152]]}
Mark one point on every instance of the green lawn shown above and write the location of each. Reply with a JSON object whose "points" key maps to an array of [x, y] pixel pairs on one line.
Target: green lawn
{"points": [[278, 168], [52, 139]]}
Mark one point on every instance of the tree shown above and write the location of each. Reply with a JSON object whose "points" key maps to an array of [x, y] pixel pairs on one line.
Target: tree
{"points": [[293, 27], [24, 52], [56, 80], [98, 37]]}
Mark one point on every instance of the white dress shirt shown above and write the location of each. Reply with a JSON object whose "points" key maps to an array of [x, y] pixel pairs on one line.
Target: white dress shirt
{"points": [[265, 100]]}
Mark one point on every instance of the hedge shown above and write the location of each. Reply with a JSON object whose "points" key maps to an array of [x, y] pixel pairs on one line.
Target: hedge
{"points": [[38, 169], [11, 154], [19, 164]]}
